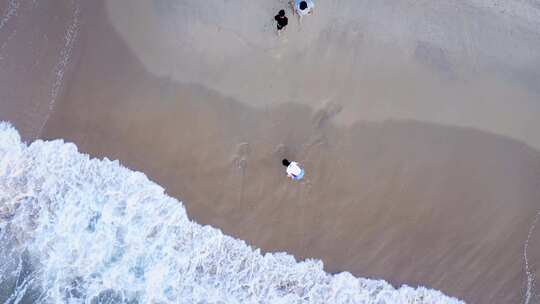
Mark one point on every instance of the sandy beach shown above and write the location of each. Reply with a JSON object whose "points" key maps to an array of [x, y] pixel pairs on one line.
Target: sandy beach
{"points": [[417, 124]]}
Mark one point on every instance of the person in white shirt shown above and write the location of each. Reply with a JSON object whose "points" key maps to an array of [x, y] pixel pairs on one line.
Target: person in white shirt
{"points": [[303, 8], [294, 170]]}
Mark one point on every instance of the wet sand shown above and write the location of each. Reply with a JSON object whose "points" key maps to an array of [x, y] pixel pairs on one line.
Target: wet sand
{"points": [[387, 195], [32, 46]]}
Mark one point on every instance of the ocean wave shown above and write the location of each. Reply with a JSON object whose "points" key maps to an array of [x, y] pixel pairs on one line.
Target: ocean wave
{"points": [[82, 230]]}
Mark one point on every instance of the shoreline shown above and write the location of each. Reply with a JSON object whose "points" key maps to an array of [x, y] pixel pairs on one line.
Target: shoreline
{"points": [[409, 201]]}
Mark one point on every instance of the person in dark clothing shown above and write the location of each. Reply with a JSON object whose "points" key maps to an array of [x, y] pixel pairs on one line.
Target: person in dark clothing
{"points": [[282, 21]]}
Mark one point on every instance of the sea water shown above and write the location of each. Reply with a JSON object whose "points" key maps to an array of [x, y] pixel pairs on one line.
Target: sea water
{"points": [[80, 230]]}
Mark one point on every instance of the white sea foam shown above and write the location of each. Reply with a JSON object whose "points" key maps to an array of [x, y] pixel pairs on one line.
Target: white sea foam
{"points": [[530, 289], [11, 11], [81, 230]]}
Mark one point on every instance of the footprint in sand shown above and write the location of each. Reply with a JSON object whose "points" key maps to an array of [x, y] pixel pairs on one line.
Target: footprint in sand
{"points": [[316, 140], [280, 150], [276, 54], [240, 158], [323, 115], [277, 51]]}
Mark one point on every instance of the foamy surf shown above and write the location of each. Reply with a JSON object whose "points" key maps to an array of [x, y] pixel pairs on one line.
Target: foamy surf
{"points": [[81, 230], [11, 11]]}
